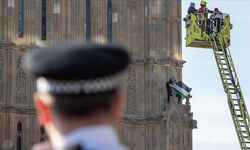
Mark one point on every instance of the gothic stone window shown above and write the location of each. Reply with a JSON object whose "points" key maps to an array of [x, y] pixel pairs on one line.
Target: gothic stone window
{"points": [[44, 20], [20, 83], [20, 11], [174, 132], [19, 139], [109, 21], [43, 134], [88, 15]]}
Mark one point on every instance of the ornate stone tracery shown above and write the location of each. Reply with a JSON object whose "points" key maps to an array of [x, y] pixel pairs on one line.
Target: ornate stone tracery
{"points": [[131, 91], [131, 142], [174, 132], [20, 83], [131, 4]]}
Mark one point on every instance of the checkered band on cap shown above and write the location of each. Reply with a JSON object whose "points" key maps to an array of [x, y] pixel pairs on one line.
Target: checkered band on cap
{"points": [[77, 87]]}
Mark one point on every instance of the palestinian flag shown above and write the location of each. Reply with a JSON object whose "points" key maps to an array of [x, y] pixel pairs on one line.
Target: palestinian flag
{"points": [[181, 89]]}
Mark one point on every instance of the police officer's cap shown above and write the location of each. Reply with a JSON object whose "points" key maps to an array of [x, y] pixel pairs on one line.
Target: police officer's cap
{"points": [[77, 68]]}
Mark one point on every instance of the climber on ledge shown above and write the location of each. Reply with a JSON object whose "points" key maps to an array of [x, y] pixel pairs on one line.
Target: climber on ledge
{"points": [[182, 90], [169, 90]]}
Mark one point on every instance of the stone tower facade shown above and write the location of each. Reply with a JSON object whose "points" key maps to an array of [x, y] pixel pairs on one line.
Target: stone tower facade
{"points": [[150, 29]]}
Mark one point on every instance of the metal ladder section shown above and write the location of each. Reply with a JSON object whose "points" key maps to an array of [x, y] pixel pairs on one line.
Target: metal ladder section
{"points": [[232, 88]]}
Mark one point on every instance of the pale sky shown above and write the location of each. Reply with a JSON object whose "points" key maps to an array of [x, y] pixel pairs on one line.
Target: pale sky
{"points": [[209, 103]]}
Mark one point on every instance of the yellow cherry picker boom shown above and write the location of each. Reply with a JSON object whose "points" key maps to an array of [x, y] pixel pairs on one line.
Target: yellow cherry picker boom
{"points": [[198, 36]]}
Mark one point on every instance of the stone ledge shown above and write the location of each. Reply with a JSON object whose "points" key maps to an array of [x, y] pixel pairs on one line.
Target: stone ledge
{"points": [[160, 61], [18, 110], [14, 47], [142, 121]]}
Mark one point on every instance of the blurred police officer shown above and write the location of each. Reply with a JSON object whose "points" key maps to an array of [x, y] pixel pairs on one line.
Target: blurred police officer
{"points": [[78, 98]]}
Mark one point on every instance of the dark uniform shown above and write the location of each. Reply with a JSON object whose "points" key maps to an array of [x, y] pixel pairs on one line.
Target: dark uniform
{"points": [[192, 10], [70, 71], [169, 89]]}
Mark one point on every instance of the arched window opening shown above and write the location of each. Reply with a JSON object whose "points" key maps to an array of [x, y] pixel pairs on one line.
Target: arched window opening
{"points": [[20, 18], [44, 20], [109, 21], [19, 127], [88, 21], [19, 143], [43, 134], [19, 139]]}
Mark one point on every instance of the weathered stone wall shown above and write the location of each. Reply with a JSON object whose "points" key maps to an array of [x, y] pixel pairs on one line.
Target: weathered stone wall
{"points": [[16, 104], [150, 29]]}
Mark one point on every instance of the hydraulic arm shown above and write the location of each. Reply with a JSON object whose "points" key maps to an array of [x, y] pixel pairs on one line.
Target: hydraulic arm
{"points": [[232, 88], [219, 41]]}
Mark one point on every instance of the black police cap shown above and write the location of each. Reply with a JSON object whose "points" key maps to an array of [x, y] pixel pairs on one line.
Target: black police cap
{"points": [[77, 68]]}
